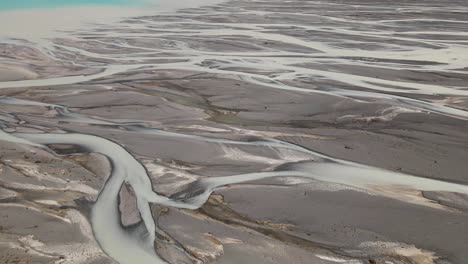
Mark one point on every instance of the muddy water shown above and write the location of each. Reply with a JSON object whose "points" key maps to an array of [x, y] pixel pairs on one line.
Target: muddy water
{"points": [[241, 91], [128, 246], [137, 246]]}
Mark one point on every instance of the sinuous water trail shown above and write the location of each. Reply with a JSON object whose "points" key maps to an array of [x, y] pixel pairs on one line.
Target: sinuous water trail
{"points": [[127, 246], [336, 55]]}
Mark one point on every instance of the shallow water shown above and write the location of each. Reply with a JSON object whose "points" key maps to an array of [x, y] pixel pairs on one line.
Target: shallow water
{"points": [[239, 90], [128, 246], [32, 4]]}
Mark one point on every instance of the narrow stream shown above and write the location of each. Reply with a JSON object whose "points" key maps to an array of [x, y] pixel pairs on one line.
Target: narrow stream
{"points": [[290, 56], [136, 245]]}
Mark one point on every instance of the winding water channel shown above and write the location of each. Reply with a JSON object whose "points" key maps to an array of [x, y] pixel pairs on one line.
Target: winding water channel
{"points": [[260, 74]]}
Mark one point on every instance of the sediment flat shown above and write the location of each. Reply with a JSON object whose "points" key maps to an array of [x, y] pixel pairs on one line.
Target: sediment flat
{"points": [[243, 131]]}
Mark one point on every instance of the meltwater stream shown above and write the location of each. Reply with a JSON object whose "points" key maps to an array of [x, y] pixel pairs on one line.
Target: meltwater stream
{"points": [[122, 50], [137, 245]]}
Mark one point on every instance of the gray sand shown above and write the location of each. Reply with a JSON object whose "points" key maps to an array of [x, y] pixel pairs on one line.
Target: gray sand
{"points": [[208, 92]]}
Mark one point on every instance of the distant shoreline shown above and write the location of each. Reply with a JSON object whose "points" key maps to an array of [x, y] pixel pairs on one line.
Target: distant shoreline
{"points": [[36, 23]]}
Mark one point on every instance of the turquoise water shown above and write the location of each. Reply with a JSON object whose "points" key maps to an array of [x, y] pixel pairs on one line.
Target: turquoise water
{"points": [[28, 4]]}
